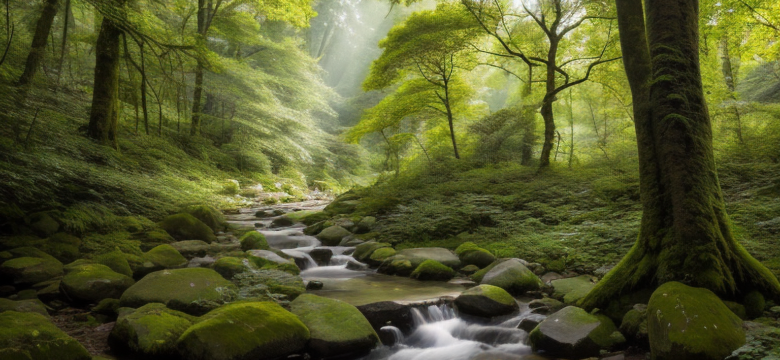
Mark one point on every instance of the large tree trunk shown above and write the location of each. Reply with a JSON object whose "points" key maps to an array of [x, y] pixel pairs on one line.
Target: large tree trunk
{"points": [[197, 94], [685, 233], [105, 96], [547, 106], [38, 48], [529, 121]]}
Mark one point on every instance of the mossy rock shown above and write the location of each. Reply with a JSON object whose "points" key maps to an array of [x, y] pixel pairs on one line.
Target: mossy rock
{"points": [[340, 206], [573, 333], [153, 238], [486, 301], [545, 305], [314, 218], [273, 260], [433, 270], [91, 283], [396, 265], [332, 236], [163, 257], [617, 308], [754, 304], [571, 290], [244, 331], [337, 328], [31, 306], [380, 255], [209, 216], [193, 248], [691, 323], [254, 240], [557, 265], [634, 324], [298, 216], [116, 260], [737, 308], [27, 271], [258, 284], [150, 331], [30, 336], [64, 247], [469, 269], [365, 225], [282, 221], [230, 266], [315, 228], [187, 227], [471, 254], [512, 276], [135, 224], [28, 251], [364, 251], [192, 290], [109, 307]]}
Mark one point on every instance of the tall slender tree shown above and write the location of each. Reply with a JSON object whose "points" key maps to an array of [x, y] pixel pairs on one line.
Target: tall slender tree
{"points": [[38, 47], [685, 232]]}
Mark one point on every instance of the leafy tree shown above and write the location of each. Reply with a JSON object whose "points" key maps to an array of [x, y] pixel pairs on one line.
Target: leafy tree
{"points": [[685, 233], [557, 19], [430, 46]]}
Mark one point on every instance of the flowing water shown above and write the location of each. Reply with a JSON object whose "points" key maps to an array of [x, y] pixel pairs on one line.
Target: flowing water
{"points": [[438, 334]]}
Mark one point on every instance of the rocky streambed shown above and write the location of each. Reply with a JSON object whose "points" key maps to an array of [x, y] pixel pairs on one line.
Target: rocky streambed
{"points": [[294, 281]]}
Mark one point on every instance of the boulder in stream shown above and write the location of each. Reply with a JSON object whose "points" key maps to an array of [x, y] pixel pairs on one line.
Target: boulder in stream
{"points": [[332, 236], [684, 322], [364, 251], [337, 328], [433, 270], [573, 333], [471, 254], [385, 313], [572, 289], [244, 331], [510, 275], [486, 301], [186, 227], [253, 240], [321, 256], [417, 255]]}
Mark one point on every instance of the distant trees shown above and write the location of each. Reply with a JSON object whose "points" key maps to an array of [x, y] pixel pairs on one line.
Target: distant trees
{"points": [[38, 47]]}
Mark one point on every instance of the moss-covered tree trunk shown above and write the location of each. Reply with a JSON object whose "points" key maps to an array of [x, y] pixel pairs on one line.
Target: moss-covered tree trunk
{"points": [[685, 233], [197, 95], [547, 104], [529, 121], [38, 48], [105, 97]]}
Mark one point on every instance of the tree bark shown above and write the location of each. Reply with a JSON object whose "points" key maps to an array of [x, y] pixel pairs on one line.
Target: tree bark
{"points": [[105, 98], [529, 121], [685, 233], [38, 48], [731, 83], [547, 105], [197, 94]]}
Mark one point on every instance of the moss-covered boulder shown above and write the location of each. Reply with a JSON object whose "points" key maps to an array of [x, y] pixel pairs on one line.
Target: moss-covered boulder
{"points": [[32, 305], [43, 223], [342, 206], [442, 255], [282, 221], [192, 248], [471, 254], [634, 324], [310, 217], [432, 270], [316, 228], [193, 290], [332, 236], [486, 301], [364, 251], [573, 333], [30, 336], [253, 240], [258, 284], [116, 260], [230, 266], [244, 331], [187, 227], [162, 257], [570, 290], [209, 216], [365, 225], [337, 328], [265, 259], [512, 276], [754, 304], [468, 269], [90, 283], [684, 322], [150, 331], [27, 271], [380, 255], [395, 265]]}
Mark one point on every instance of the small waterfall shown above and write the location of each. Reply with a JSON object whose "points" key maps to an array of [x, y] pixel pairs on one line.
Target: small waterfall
{"points": [[340, 259], [303, 259], [398, 336]]}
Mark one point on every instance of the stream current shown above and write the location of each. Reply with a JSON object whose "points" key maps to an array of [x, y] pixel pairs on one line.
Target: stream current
{"points": [[439, 333]]}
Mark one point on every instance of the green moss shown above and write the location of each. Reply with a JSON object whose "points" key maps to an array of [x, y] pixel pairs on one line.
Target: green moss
{"points": [[336, 327], [253, 240], [573, 289], [108, 306], [97, 243], [187, 227], [244, 331], [307, 217], [754, 304], [494, 293], [331, 236], [382, 254], [27, 271], [466, 246], [556, 265], [31, 336], [737, 308], [268, 283], [64, 247], [155, 236], [191, 290], [151, 330], [433, 270], [94, 282], [687, 322], [165, 257], [230, 266], [512, 276], [396, 266], [116, 260], [209, 216], [365, 250], [31, 305]]}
